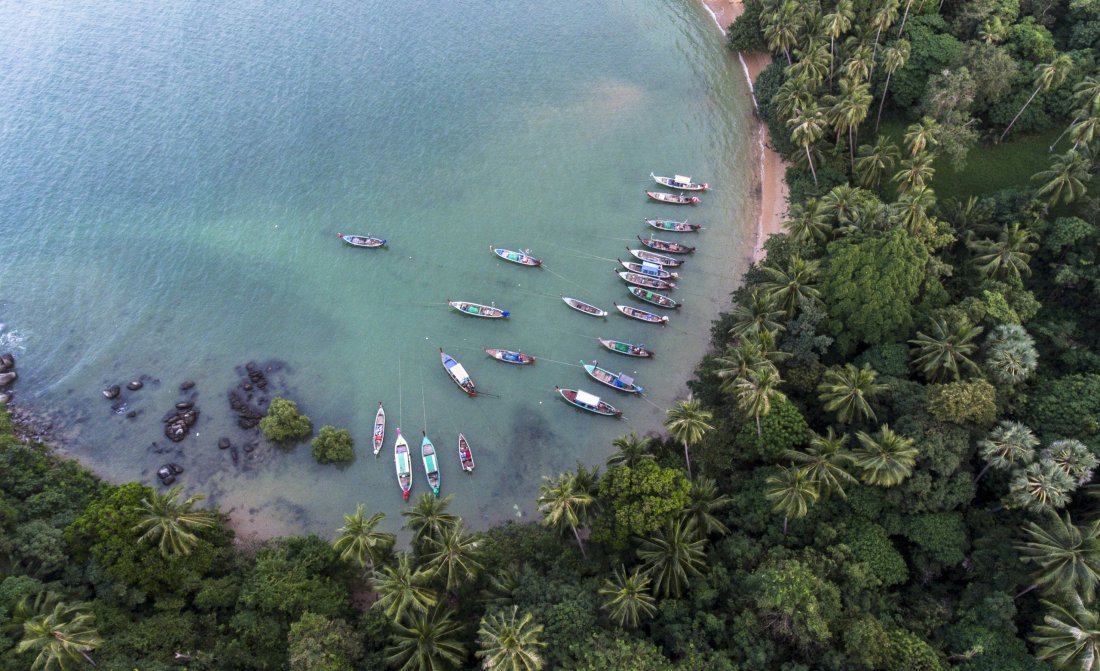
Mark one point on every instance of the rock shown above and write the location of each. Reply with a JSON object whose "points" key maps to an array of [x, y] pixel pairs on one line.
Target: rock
{"points": [[132, 414], [166, 475], [112, 392], [236, 455], [249, 447], [223, 443], [187, 385], [7, 378], [7, 360], [175, 468], [134, 385], [5, 398], [184, 405]]}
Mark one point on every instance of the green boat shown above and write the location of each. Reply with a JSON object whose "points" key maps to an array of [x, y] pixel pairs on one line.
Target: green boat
{"points": [[627, 348], [431, 466], [673, 226]]}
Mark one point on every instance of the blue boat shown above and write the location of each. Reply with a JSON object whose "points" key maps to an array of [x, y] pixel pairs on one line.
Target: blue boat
{"points": [[613, 380]]}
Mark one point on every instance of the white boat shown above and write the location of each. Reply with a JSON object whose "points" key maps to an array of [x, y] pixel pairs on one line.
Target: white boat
{"points": [[680, 182], [403, 463], [379, 428]]}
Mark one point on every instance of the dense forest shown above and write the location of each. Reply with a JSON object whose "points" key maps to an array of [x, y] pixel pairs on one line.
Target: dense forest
{"points": [[886, 462]]}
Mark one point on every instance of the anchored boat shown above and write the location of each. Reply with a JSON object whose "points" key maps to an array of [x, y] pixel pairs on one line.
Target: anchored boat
{"points": [[431, 466], [642, 315], [680, 182], [379, 428], [457, 373], [479, 310], [648, 269], [586, 401], [404, 465], [673, 226], [657, 299], [653, 257], [644, 281], [522, 258], [586, 308], [465, 456], [362, 240], [508, 356], [666, 246], [613, 380], [629, 349], [672, 198]]}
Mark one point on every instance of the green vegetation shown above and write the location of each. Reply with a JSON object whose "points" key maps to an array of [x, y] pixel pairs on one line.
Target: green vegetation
{"points": [[333, 446], [283, 423]]}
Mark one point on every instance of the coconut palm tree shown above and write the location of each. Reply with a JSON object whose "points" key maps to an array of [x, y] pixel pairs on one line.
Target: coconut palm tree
{"points": [[911, 209], [922, 135], [842, 202], [56, 633], [403, 588], [1066, 556], [894, 58], [885, 459], [688, 423], [626, 597], [789, 289], [1075, 460], [566, 505], [792, 96], [812, 63], [836, 23], [806, 222], [172, 523], [1069, 636], [1087, 94], [945, 353], [510, 642], [1047, 76], [429, 641], [1008, 444], [704, 502], [881, 19], [875, 160], [455, 555], [824, 462], [671, 555], [1008, 256], [757, 391], [358, 542], [915, 172], [1065, 180], [1086, 130], [759, 314], [848, 110], [807, 126], [632, 451], [858, 66], [739, 361], [428, 519], [846, 392], [792, 491], [781, 27], [1042, 486], [766, 342], [904, 16]]}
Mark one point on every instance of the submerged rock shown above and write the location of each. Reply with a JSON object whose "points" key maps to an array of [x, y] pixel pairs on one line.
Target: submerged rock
{"points": [[134, 385], [8, 378], [7, 361], [189, 384], [5, 398], [112, 392], [184, 405], [223, 443]]}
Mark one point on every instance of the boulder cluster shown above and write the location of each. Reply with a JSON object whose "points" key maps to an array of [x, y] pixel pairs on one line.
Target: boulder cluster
{"points": [[179, 420], [7, 376], [242, 398]]}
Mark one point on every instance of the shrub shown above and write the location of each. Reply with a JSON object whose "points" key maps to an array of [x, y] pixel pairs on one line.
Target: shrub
{"points": [[1066, 407], [960, 402], [782, 429], [333, 446], [283, 422]]}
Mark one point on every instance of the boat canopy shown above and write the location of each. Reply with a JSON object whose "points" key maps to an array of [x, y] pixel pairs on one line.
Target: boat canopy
{"points": [[683, 180], [626, 379], [650, 268], [588, 399], [458, 371], [429, 463]]}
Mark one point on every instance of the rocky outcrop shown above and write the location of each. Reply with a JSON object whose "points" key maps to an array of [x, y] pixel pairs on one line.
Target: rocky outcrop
{"points": [[168, 472], [134, 385], [112, 392]]}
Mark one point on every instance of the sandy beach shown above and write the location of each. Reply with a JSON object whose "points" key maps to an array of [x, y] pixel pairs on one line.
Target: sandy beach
{"points": [[772, 187]]}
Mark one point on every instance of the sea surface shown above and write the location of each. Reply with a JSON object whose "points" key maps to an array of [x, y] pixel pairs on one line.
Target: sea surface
{"points": [[173, 176]]}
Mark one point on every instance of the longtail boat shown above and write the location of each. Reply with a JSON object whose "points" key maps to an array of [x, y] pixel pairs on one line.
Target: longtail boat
{"points": [[654, 257], [642, 315], [522, 258], [643, 281], [379, 428], [672, 198], [666, 246], [458, 374], [586, 401], [613, 380], [404, 465], [680, 182], [586, 308], [508, 356], [465, 456], [653, 298], [673, 226], [478, 310], [629, 349], [431, 467], [648, 269], [362, 240]]}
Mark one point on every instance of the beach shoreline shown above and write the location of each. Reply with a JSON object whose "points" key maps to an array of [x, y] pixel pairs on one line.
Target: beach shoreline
{"points": [[769, 180]]}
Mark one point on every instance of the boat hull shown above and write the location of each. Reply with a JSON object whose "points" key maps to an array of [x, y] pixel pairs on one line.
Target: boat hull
{"points": [[465, 456], [605, 409], [431, 464], [654, 257], [609, 379], [403, 463], [625, 348], [683, 186], [379, 429], [642, 315], [645, 281], [478, 310], [508, 356], [581, 306], [670, 226], [666, 246], [672, 198], [653, 298], [364, 241], [518, 258]]}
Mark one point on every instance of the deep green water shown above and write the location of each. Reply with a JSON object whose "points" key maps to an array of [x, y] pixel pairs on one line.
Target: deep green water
{"points": [[173, 176]]}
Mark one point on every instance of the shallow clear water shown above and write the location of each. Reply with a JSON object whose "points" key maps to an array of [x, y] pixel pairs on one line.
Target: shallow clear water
{"points": [[173, 176]]}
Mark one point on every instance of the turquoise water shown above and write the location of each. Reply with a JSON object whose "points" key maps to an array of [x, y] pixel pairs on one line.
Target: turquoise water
{"points": [[173, 176]]}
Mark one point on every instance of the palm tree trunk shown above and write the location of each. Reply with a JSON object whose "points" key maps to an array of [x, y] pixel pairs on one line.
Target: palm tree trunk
{"points": [[832, 45], [1025, 591], [883, 101], [811, 162], [687, 459], [580, 543], [852, 147], [784, 525], [1068, 129], [1037, 89], [759, 433], [874, 52], [905, 16], [788, 55], [982, 473]]}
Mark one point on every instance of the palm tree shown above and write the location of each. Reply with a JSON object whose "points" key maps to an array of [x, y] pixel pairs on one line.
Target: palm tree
{"points": [[781, 27], [792, 491], [1008, 256], [1047, 76], [911, 209], [402, 588], [842, 202], [1075, 460], [915, 171], [626, 597], [632, 451], [1085, 131], [894, 58], [1087, 94], [1040, 487], [760, 314], [791, 288], [756, 391], [1008, 444], [1011, 356], [885, 459], [688, 423], [812, 64], [428, 641], [56, 633], [1065, 180], [1066, 556], [671, 555], [908, 4], [766, 344], [739, 361], [1069, 637], [807, 222], [946, 352], [859, 64], [510, 643], [807, 126], [992, 31], [846, 391], [875, 160], [704, 502], [455, 556], [429, 520], [835, 24], [881, 19], [920, 136], [357, 541], [848, 110], [793, 95], [564, 505], [171, 523], [823, 462]]}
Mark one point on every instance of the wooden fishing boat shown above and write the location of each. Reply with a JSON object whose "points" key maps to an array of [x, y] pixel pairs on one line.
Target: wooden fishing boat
{"points": [[647, 282], [642, 315], [626, 348], [672, 198], [586, 401], [586, 308], [648, 269], [404, 465], [431, 466], [653, 298], [665, 246], [613, 380], [362, 240], [522, 258], [457, 373], [680, 182], [379, 428], [508, 356], [465, 456], [479, 310], [654, 257], [673, 226]]}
